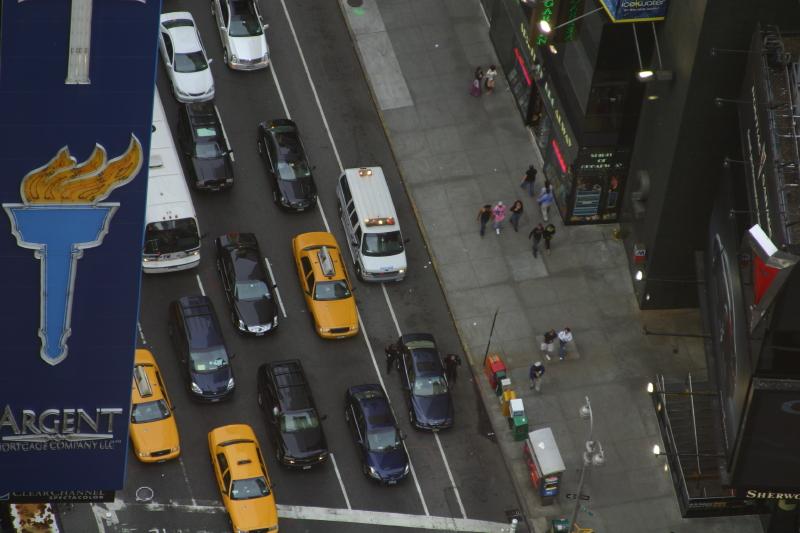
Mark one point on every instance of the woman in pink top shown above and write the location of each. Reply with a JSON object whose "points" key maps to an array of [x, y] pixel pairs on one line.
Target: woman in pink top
{"points": [[498, 214]]}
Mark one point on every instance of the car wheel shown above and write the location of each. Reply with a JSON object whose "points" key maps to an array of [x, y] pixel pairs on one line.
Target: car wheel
{"points": [[346, 414], [358, 272], [275, 196], [411, 416], [234, 321], [260, 399], [225, 56], [339, 207]]}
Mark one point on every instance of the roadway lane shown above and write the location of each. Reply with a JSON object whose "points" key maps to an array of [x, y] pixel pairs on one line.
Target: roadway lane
{"points": [[243, 100]]}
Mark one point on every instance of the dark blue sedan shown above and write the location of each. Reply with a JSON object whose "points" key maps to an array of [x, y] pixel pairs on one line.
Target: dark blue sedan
{"points": [[374, 429], [430, 405]]}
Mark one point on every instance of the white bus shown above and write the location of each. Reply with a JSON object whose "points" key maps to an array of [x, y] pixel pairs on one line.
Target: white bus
{"points": [[172, 236]]}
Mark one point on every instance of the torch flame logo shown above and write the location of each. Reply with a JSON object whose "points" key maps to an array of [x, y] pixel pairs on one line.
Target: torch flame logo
{"points": [[60, 217], [63, 181]]}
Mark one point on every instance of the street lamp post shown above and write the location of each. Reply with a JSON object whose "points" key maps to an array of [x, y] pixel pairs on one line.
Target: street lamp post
{"points": [[593, 455]]}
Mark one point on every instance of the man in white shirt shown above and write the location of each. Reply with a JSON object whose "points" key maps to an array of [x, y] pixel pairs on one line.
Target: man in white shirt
{"points": [[564, 336]]}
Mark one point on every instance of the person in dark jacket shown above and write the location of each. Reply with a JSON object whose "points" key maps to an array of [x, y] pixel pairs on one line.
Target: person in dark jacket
{"points": [[484, 216], [549, 231], [516, 214], [535, 373], [528, 180], [536, 236], [451, 364], [392, 356]]}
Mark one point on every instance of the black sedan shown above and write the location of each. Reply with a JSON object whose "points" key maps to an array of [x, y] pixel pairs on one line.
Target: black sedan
{"points": [[375, 432], [197, 338], [205, 146], [280, 146], [430, 405], [248, 287]]}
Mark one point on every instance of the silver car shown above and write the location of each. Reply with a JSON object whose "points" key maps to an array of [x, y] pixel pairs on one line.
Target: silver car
{"points": [[241, 30], [185, 58]]}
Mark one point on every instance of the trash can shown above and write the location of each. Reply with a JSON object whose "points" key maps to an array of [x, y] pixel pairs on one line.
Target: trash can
{"points": [[517, 421], [508, 396], [559, 525], [495, 369]]}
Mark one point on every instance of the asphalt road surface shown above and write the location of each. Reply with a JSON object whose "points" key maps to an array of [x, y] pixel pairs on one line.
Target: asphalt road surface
{"points": [[457, 474]]}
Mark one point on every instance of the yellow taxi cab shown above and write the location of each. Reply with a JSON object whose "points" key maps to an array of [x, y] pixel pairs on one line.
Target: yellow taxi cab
{"points": [[242, 479], [325, 285], [154, 433]]}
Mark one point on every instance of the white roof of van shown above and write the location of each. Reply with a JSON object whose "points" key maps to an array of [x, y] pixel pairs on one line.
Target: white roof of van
{"points": [[372, 197]]}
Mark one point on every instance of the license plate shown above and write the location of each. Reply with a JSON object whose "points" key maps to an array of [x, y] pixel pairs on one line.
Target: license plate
{"points": [[435, 430], [260, 333], [301, 208], [392, 482], [307, 467]]}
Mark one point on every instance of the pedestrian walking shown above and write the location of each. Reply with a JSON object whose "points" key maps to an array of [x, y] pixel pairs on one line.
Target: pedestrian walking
{"points": [[564, 336], [536, 236], [536, 373], [516, 213], [392, 356], [451, 363], [547, 343], [499, 215], [484, 216], [528, 180], [546, 199], [491, 75], [476, 82], [549, 231]]}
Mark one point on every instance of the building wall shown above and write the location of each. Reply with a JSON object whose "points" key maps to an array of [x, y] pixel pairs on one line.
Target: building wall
{"points": [[681, 142]]}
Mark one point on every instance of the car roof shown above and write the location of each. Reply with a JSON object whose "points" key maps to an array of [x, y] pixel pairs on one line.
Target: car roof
{"points": [[182, 30], [311, 243], [239, 444], [377, 412], [144, 358], [426, 362], [199, 320], [291, 384]]}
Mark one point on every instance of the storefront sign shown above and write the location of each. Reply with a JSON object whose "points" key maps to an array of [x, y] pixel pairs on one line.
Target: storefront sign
{"points": [[753, 494], [563, 128], [635, 10], [570, 30]]}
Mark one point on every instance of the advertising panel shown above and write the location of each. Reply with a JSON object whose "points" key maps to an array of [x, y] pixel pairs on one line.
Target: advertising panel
{"points": [[76, 94], [635, 10]]}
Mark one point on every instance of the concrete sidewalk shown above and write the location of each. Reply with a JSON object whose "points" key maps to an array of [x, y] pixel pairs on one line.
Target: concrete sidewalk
{"points": [[456, 153]]}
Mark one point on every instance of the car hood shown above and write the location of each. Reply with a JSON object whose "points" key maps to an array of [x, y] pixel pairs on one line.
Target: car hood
{"points": [[304, 443], [214, 382], [258, 513], [155, 436], [387, 263], [298, 190], [336, 313], [390, 463], [195, 83], [211, 169], [433, 410], [259, 312], [249, 48]]}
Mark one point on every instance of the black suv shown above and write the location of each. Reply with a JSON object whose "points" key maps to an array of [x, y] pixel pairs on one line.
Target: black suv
{"points": [[282, 150], [285, 398], [197, 338], [247, 285], [205, 147]]}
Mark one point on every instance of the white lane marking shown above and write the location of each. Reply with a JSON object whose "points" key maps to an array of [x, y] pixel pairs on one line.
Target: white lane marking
{"points": [[141, 332], [391, 309], [383, 385], [327, 514], [186, 479], [341, 483], [200, 284], [98, 518], [313, 87], [450, 475], [280, 92], [277, 291], [436, 435], [224, 133]]}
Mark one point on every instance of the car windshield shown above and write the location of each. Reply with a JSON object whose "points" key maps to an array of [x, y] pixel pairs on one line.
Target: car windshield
{"points": [[191, 62], [430, 385], [420, 344], [298, 421], [149, 411], [380, 439], [245, 23], [382, 244], [247, 489], [251, 290], [209, 360], [331, 290], [292, 170], [170, 236], [207, 150]]}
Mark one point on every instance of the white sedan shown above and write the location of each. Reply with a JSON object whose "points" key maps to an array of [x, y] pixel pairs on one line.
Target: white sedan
{"points": [[185, 58], [241, 30]]}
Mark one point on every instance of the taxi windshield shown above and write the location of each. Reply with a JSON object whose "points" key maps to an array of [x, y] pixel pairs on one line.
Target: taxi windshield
{"points": [[331, 290], [149, 411], [247, 489]]}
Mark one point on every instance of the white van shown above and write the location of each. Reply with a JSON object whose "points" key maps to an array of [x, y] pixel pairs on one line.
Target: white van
{"points": [[371, 225]]}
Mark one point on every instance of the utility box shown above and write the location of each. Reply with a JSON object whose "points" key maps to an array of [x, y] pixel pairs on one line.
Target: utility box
{"points": [[544, 463], [517, 421]]}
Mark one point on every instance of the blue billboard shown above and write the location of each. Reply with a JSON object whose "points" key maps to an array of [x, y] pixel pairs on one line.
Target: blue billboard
{"points": [[635, 10], [76, 100]]}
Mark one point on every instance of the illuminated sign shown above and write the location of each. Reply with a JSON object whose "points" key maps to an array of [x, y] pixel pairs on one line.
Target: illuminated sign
{"points": [[522, 64], [74, 195], [557, 151], [635, 10], [550, 98]]}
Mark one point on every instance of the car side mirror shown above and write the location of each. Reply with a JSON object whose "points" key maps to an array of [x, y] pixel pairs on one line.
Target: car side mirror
{"points": [[266, 26], [275, 411], [323, 417], [233, 356], [210, 60], [406, 240]]}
